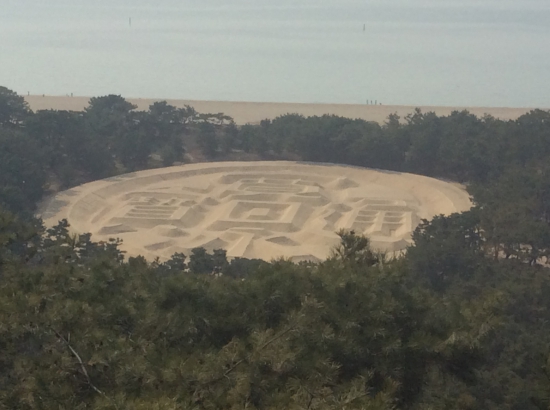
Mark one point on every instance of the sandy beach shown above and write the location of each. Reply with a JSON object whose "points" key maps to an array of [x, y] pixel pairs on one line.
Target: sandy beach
{"points": [[254, 112]]}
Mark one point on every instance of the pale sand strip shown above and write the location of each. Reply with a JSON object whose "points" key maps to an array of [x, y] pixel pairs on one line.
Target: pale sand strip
{"points": [[254, 112]]}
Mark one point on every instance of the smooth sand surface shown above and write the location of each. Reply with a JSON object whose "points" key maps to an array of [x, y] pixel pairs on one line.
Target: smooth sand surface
{"points": [[254, 112], [254, 209]]}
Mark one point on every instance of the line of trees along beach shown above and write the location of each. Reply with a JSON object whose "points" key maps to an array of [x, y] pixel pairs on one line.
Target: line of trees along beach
{"points": [[462, 321]]}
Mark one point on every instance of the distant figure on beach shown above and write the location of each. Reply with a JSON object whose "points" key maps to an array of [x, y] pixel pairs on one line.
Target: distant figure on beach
{"points": [[130, 21]]}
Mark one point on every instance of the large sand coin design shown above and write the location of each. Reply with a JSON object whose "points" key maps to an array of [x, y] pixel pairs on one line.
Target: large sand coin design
{"points": [[254, 209]]}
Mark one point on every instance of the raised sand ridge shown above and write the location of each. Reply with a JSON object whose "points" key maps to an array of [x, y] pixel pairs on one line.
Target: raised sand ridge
{"points": [[254, 209]]}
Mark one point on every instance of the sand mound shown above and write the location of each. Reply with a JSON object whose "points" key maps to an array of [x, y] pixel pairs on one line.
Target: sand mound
{"points": [[217, 243], [169, 231], [116, 229], [342, 183], [254, 209], [158, 245], [283, 240], [209, 202]]}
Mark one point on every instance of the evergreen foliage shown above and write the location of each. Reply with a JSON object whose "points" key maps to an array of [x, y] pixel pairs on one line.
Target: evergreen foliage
{"points": [[82, 328]]}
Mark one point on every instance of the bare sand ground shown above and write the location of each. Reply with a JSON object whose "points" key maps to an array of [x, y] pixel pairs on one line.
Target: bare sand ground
{"points": [[254, 112], [254, 209]]}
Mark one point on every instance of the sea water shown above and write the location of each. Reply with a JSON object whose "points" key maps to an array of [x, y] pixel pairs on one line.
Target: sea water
{"points": [[412, 52]]}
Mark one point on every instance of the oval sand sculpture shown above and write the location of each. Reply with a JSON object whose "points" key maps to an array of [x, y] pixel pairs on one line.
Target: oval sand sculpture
{"points": [[254, 209]]}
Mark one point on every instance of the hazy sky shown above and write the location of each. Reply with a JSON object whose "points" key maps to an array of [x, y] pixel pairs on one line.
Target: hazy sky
{"points": [[413, 52]]}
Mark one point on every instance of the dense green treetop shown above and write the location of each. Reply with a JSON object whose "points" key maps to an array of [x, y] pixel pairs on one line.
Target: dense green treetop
{"points": [[83, 328], [13, 108]]}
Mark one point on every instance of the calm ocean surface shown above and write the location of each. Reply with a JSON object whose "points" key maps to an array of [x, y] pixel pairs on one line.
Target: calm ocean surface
{"points": [[413, 52]]}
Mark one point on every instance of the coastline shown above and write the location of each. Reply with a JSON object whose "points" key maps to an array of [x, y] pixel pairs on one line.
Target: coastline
{"points": [[253, 112]]}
